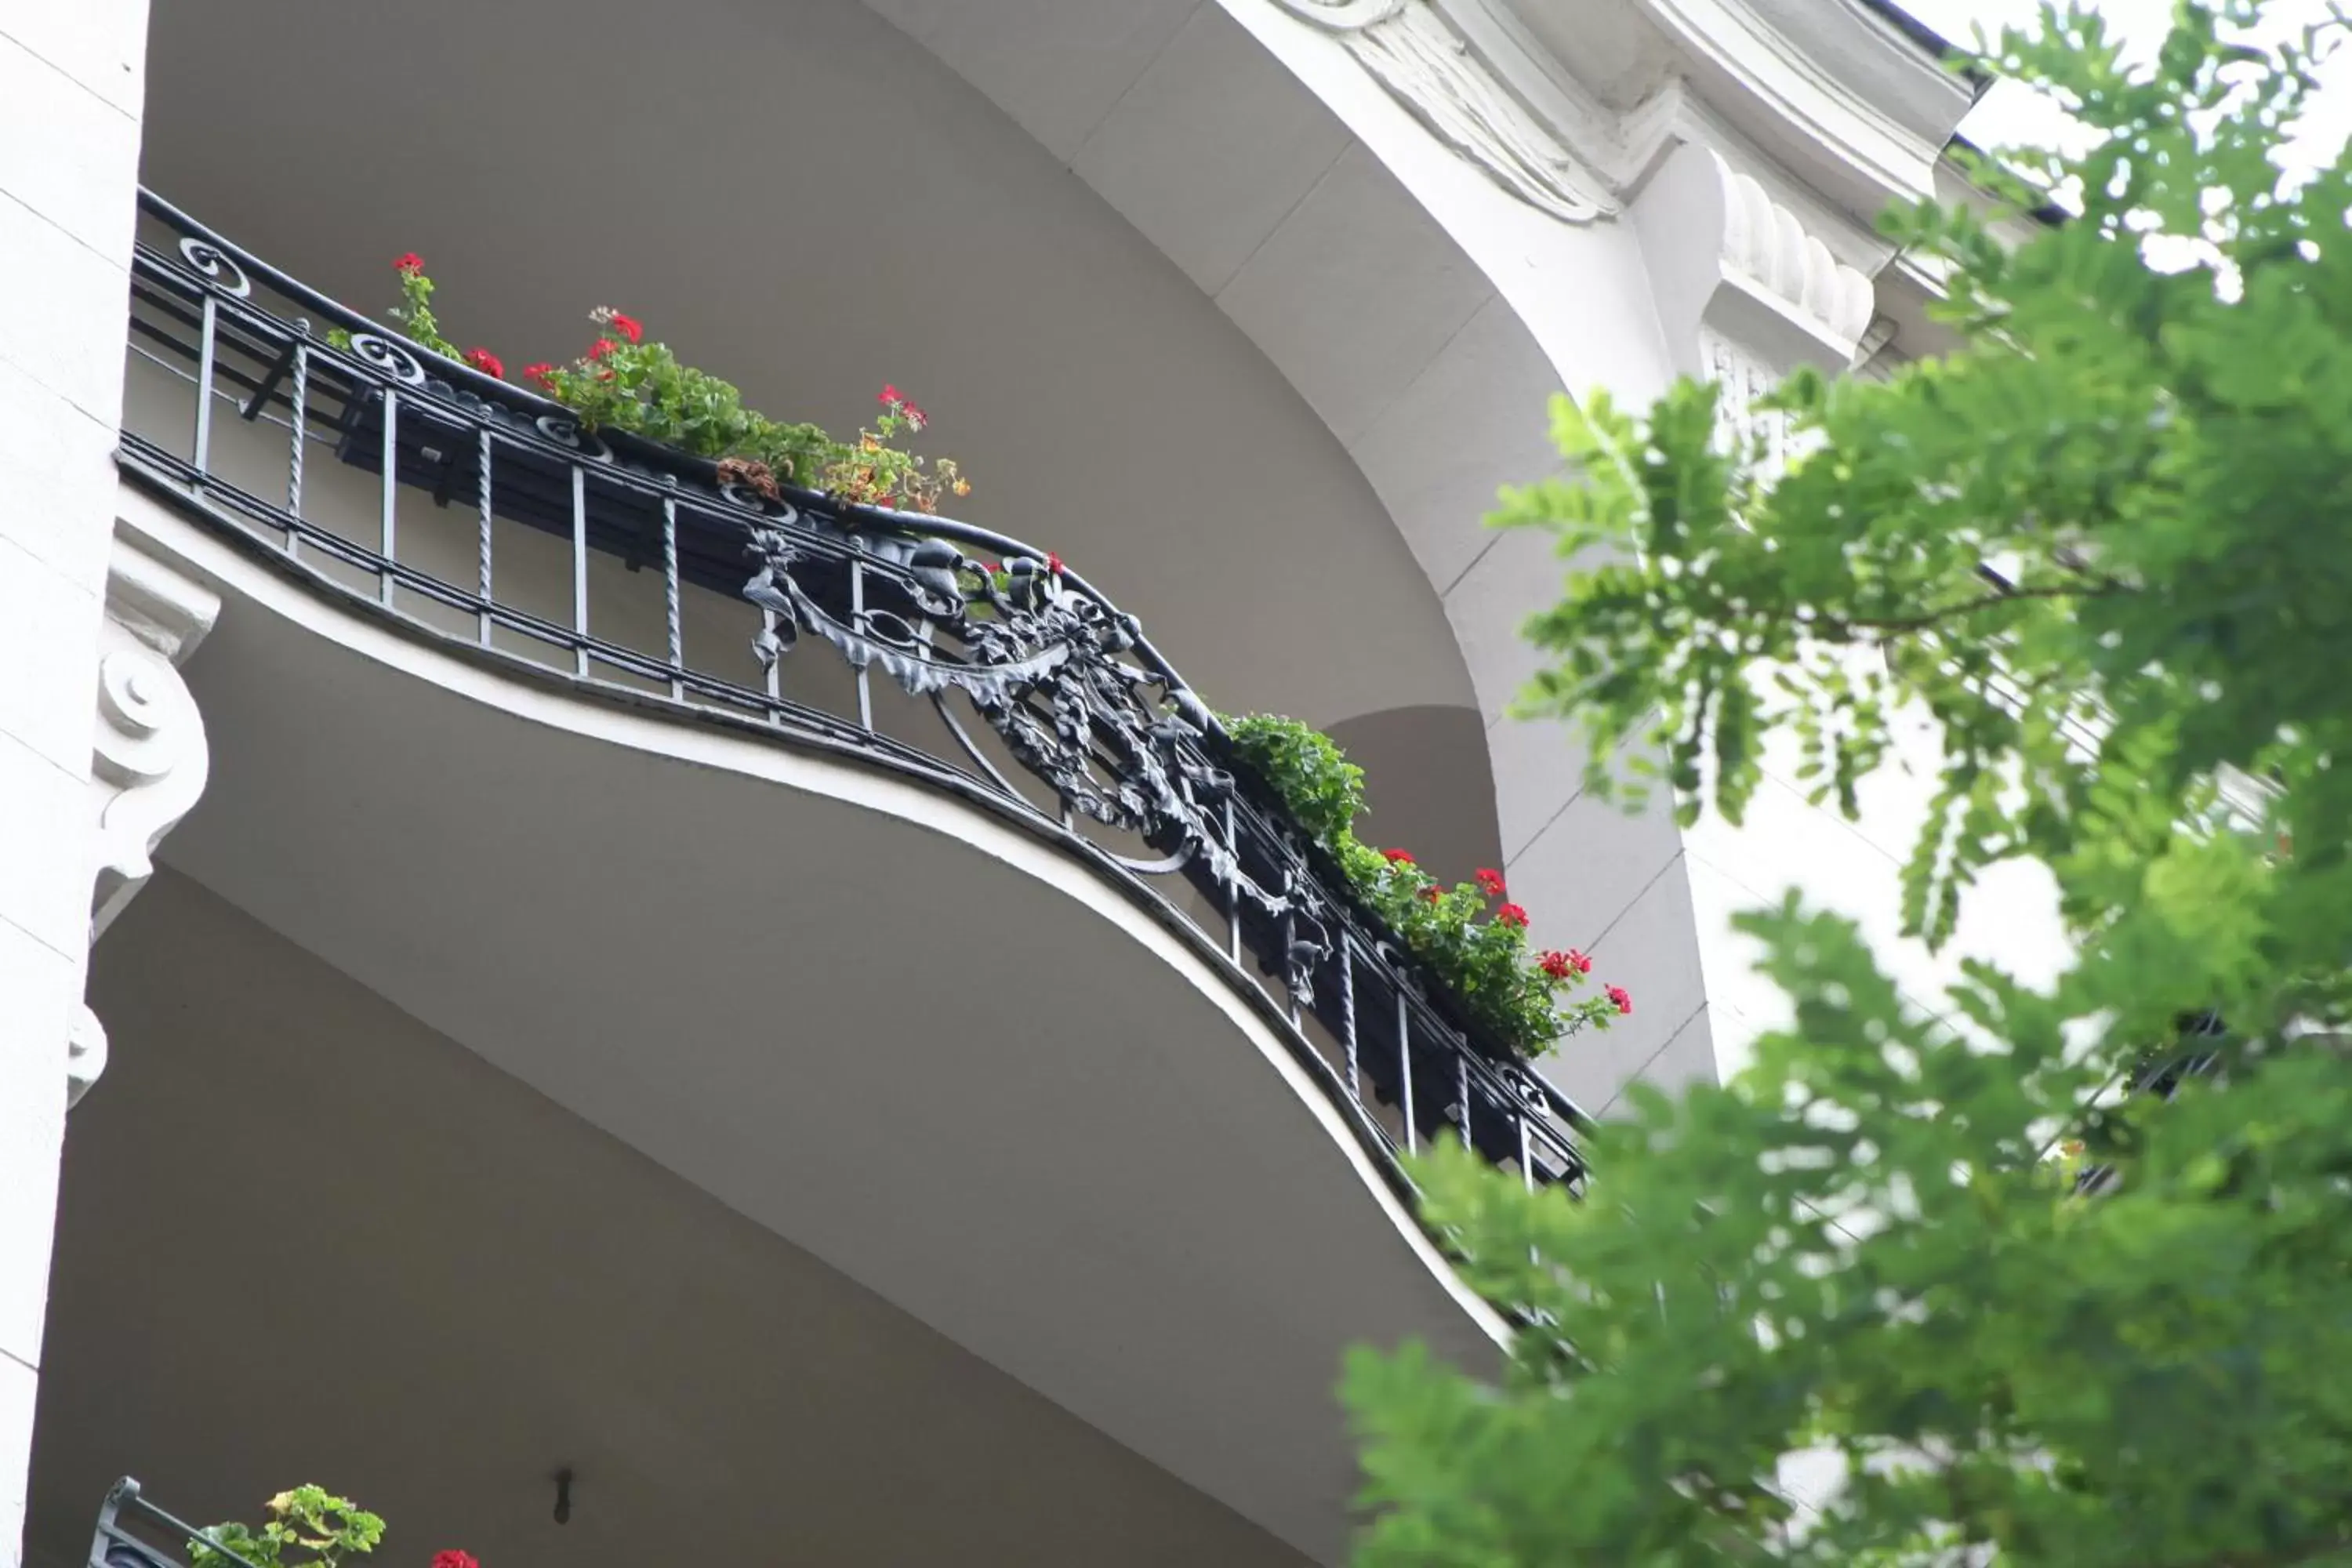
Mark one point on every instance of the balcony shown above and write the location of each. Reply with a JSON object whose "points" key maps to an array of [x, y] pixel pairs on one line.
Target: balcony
{"points": [[921, 918], [494, 523]]}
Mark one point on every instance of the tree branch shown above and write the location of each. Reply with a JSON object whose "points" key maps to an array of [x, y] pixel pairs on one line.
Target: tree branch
{"points": [[1936, 617]]}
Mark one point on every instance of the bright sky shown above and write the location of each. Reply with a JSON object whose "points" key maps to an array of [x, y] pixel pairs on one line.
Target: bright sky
{"points": [[2009, 114]]}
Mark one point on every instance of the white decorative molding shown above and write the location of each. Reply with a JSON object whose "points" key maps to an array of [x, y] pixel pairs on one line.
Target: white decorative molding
{"points": [[149, 758], [1426, 65], [85, 1054], [1728, 261]]}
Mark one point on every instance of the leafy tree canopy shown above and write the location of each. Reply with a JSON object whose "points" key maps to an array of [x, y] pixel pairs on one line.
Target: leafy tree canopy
{"points": [[1860, 1245]]}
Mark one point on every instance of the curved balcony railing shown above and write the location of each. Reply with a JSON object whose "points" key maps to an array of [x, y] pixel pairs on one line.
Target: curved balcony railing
{"points": [[478, 511]]}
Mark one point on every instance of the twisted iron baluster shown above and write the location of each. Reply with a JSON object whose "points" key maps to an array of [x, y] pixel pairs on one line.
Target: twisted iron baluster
{"points": [[669, 592], [1405, 1066], [1348, 1015], [482, 569], [297, 404]]}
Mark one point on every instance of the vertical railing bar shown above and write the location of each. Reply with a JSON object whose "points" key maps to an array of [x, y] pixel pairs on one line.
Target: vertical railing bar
{"points": [[775, 668], [297, 404], [1348, 1015], [1527, 1151], [205, 353], [670, 597], [482, 563], [857, 620], [579, 570], [1462, 1088], [391, 488], [1404, 1068], [1290, 947], [1233, 888]]}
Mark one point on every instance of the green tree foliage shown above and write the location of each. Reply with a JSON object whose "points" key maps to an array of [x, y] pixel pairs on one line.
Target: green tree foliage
{"points": [[1863, 1246]]}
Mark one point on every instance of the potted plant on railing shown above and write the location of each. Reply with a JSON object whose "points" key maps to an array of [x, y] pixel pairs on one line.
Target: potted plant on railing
{"points": [[307, 1527], [1470, 936], [626, 382]]}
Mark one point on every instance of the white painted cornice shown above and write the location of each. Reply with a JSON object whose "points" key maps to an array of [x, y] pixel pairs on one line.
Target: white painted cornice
{"points": [[1857, 134], [1849, 103]]}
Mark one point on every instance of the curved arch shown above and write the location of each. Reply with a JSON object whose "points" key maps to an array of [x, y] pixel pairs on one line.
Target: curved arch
{"points": [[829, 1090]]}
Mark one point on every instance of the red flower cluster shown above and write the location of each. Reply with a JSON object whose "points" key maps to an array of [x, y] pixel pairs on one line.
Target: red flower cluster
{"points": [[1053, 563], [409, 264], [543, 375], [1511, 915], [486, 362], [1560, 965], [455, 1560], [898, 402], [601, 347], [1489, 880], [629, 327], [1623, 997], [1397, 857]]}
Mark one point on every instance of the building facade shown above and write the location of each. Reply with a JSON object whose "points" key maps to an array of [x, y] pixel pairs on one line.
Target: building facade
{"points": [[608, 971]]}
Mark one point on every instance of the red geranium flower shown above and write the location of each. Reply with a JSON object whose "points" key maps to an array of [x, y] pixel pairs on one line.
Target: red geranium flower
{"points": [[1489, 880], [1623, 997], [629, 327], [455, 1560], [1511, 915], [486, 362], [1397, 857], [1053, 563], [601, 347], [889, 396], [409, 263], [543, 372], [1558, 966], [1583, 965]]}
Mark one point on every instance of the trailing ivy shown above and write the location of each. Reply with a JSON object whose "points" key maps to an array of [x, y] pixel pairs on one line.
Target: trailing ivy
{"points": [[1469, 935]]}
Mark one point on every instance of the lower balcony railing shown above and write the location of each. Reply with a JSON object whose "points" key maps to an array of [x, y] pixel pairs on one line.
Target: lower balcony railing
{"points": [[128, 1530], [474, 510]]}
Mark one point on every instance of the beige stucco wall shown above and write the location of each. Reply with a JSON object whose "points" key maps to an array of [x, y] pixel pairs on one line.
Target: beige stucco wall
{"points": [[431, 1285]]}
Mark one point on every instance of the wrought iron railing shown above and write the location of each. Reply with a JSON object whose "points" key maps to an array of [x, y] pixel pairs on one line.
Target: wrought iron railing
{"points": [[478, 512]]}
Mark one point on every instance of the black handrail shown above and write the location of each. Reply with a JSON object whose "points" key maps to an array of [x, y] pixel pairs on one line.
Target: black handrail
{"points": [[1070, 692]]}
